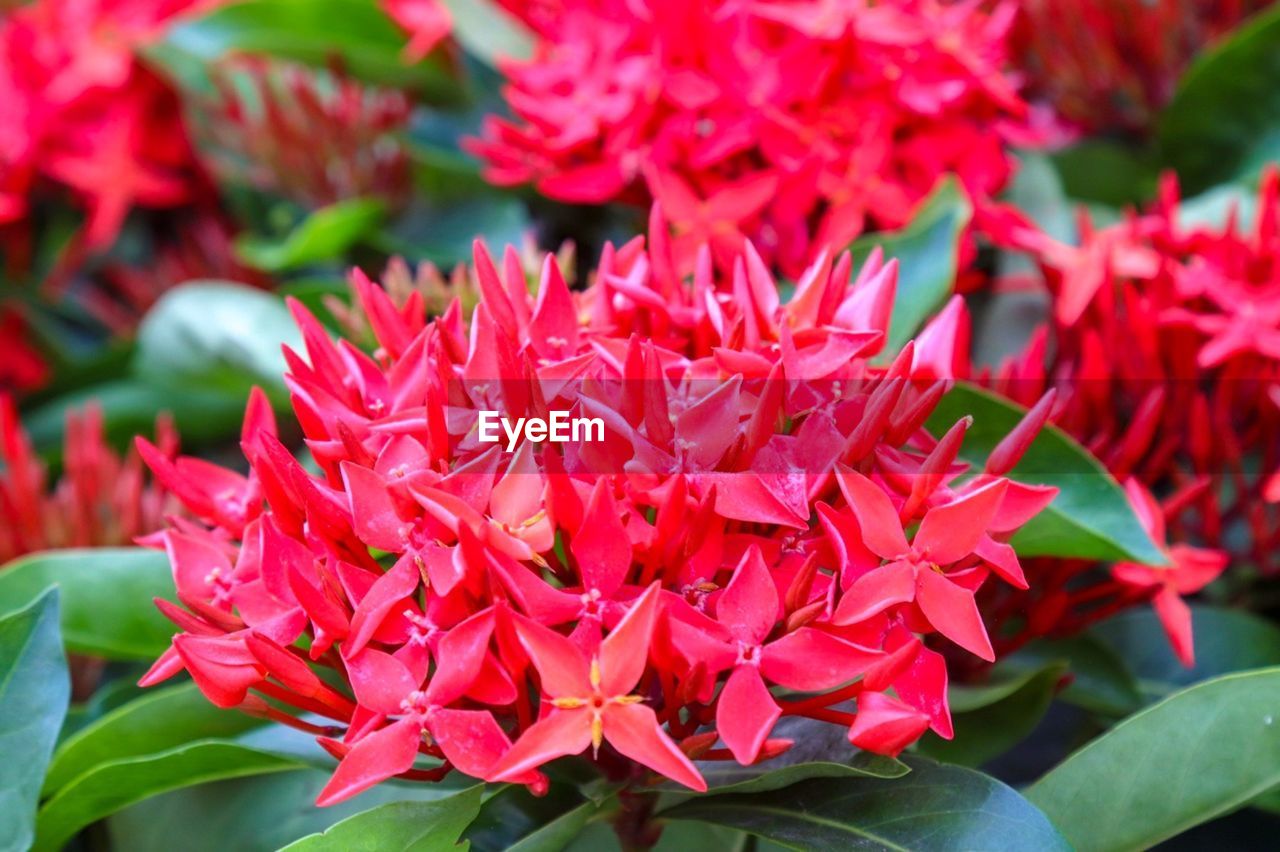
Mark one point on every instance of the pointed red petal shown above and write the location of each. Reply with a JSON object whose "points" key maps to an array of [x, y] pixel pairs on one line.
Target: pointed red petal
{"points": [[877, 519], [562, 732], [749, 604], [812, 661], [950, 532], [625, 652], [746, 713], [377, 757], [876, 591], [564, 669], [954, 613], [633, 730]]}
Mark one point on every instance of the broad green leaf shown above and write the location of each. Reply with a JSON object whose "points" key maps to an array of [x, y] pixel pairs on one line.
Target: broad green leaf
{"points": [[991, 719], [821, 750], [1100, 682], [927, 250], [443, 234], [1224, 118], [1198, 754], [160, 720], [324, 235], [257, 814], [315, 32], [107, 598], [488, 32], [936, 806], [108, 787], [400, 827], [129, 407], [34, 688], [515, 818], [217, 334], [1226, 640], [1106, 172], [677, 836], [1089, 519], [115, 693]]}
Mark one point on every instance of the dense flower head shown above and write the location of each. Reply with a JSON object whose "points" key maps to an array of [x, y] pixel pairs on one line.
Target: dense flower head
{"points": [[316, 138], [761, 510], [1111, 65], [1164, 350], [101, 499], [796, 124], [85, 116]]}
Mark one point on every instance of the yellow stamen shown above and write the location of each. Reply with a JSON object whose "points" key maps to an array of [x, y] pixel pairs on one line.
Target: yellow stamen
{"points": [[597, 734], [627, 699], [568, 703]]}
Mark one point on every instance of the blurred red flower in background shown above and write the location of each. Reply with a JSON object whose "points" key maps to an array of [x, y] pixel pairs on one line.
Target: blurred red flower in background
{"points": [[741, 521], [797, 124]]}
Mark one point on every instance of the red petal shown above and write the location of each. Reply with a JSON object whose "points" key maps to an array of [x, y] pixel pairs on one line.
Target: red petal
{"points": [[953, 612], [375, 758], [950, 532], [749, 604], [812, 661], [1175, 617], [380, 681], [470, 739], [877, 519], [562, 732], [633, 730], [602, 548], [459, 657], [563, 668], [886, 725], [876, 591], [746, 713], [625, 652], [389, 591]]}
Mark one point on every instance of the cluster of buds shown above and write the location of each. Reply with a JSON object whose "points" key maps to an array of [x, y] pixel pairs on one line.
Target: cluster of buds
{"points": [[1164, 350], [796, 123], [315, 138], [758, 526], [1111, 65], [101, 499]]}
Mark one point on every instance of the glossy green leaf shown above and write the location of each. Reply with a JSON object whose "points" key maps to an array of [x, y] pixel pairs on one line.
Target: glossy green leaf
{"points": [[315, 32], [34, 688], [486, 30], [1106, 172], [327, 234], [1198, 754], [107, 598], [1089, 519], [1100, 681], [928, 251], [399, 827], [1226, 640], [129, 407], [991, 719], [557, 833], [444, 233], [217, 335], [159, 720], [1224, 118], [514, 817], [108, 787], [936, 806], [256, 814]]}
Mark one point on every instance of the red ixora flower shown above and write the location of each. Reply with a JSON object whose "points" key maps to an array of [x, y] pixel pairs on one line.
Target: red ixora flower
{"points": [[101, 499], [736, 523], [796, 123]]}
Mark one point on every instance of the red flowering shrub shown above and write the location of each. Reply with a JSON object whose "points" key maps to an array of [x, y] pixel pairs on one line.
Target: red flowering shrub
{"points": [[797, 124], [1164, 349], [1113, 64], [761, 508], [100, 500]]}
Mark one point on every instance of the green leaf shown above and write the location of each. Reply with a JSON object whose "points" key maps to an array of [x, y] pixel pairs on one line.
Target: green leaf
{"points": [[160, 720], [1100, 682], [106, 598], [443, 234], [557, 833], [936, 806], [1198, 754], [34, 688], [1089, 519], [400, 826], [991, 719], [488, 32], [256, 814], [1106, 172], [1224, 118], [513, 817], [324, 235], [1227, 640], [129, 407], [217, 334], [315, 32], [108, 787], [928, 252]]}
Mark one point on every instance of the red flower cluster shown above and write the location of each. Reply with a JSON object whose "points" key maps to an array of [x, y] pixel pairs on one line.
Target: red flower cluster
{"points": [[314, 138], [797, 123], [427, 22], [760, 508], [1113, 64], [1166, 360], [22, 367], [82, 113], [101, 500]]}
